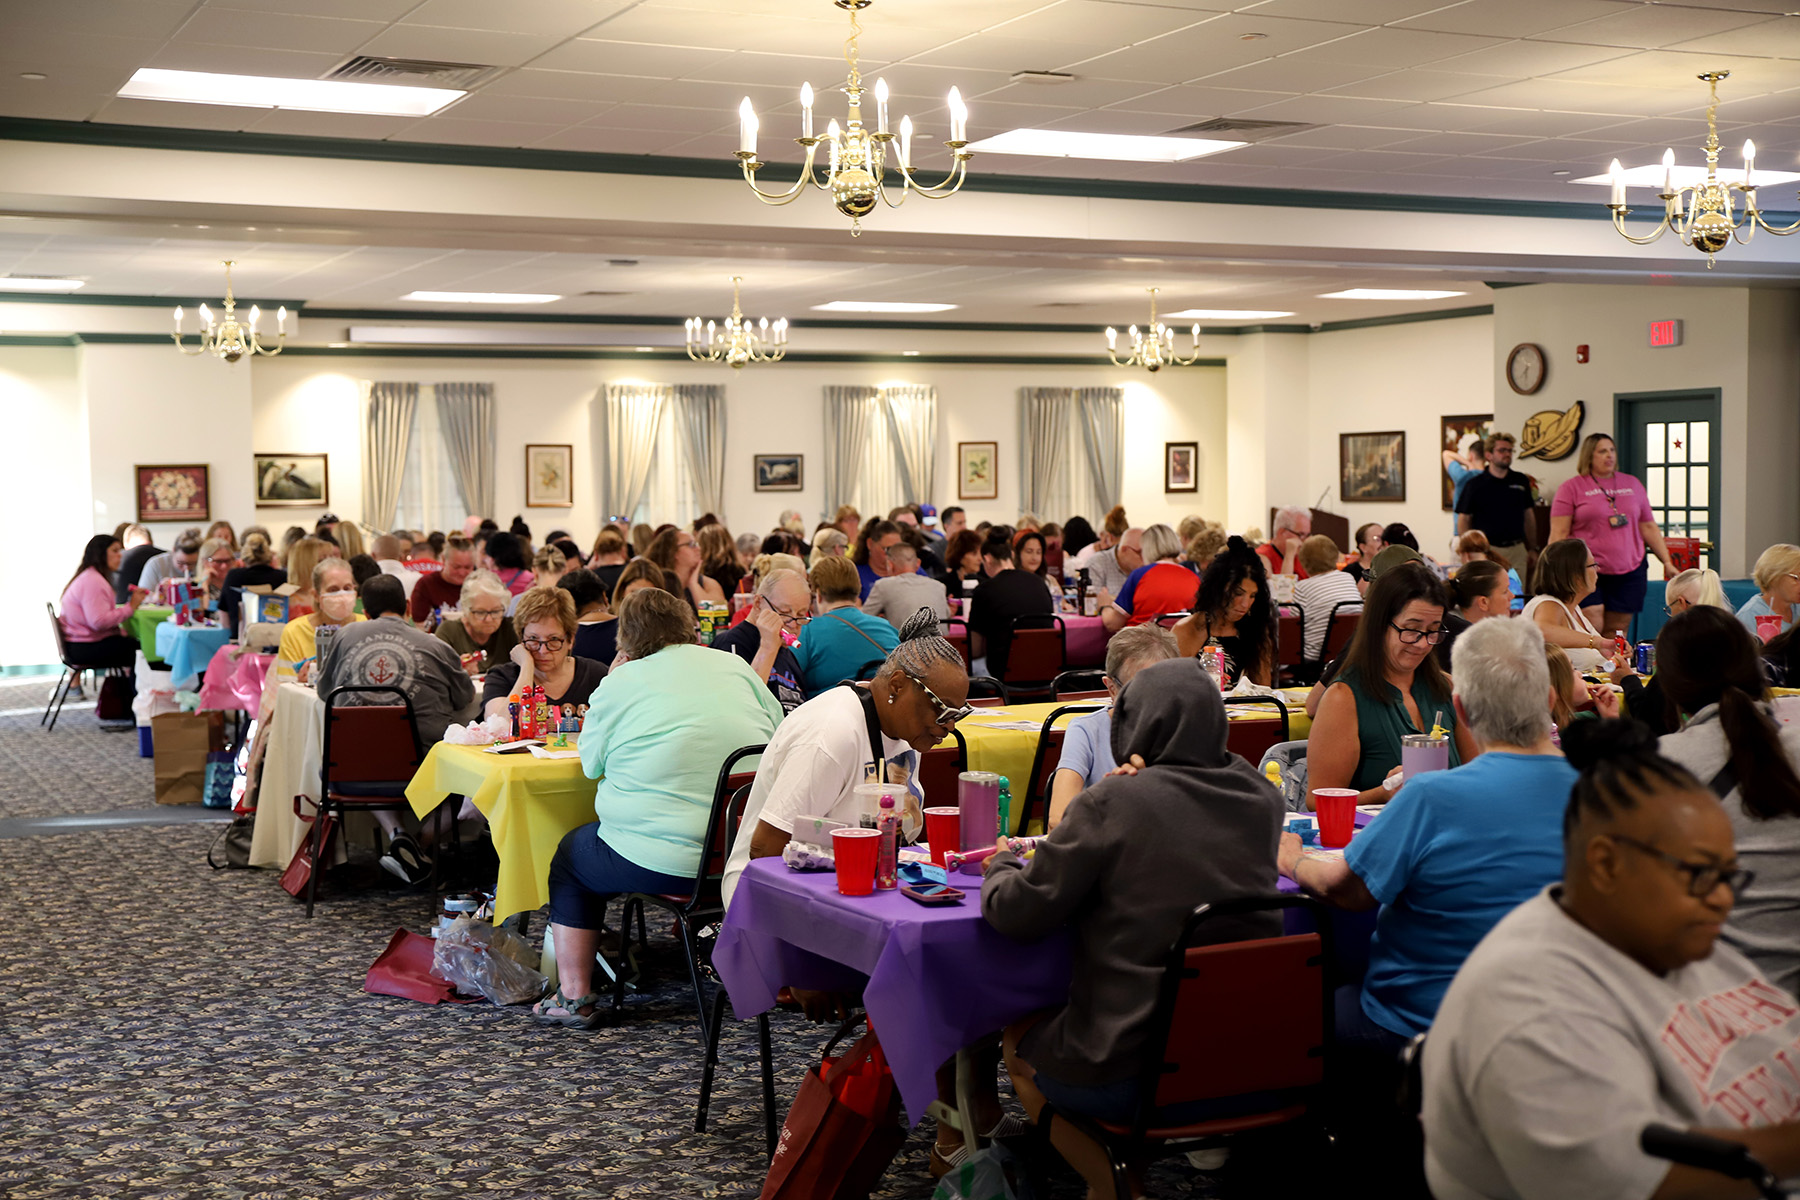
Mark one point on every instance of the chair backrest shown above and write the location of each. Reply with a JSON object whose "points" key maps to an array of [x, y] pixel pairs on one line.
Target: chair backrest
{"points": [[1083, 684], [1039, 651], [1340, 627], [369, 743], [1251, 738], [1170, 620], [1044, 761], [1291, 758], [956, 632], [939, 767], [722, 824], [62, 639], [1239, 1017], [1290, 643], [986, 692]]}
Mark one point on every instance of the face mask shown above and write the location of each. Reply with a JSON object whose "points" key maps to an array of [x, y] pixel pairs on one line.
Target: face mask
{"points": [[337, 605]]}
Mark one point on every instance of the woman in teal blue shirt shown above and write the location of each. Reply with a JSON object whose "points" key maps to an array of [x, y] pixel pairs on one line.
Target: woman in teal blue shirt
{"points": [[842, 639]]}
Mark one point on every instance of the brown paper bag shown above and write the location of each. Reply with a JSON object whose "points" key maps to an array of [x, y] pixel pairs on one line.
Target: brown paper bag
{"points": [[182, 742]]}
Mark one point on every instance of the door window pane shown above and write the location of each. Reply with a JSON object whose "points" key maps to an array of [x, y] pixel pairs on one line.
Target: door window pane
{"points": [[1678, 486], [1654, 434], [1653, 486], [1661, 517], [1678, 443], [1699, 480], [1700, 441]]}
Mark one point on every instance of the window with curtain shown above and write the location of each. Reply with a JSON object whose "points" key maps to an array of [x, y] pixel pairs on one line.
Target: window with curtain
{"points": [[428, 496], [670, 496], [894, 452]]}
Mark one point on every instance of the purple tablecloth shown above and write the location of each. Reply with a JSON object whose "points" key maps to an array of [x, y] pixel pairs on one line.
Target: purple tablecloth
{"points": [[938, 978]]}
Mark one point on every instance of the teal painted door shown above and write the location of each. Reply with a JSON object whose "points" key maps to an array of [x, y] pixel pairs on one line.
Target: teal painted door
{"points": [[1670, 440]]}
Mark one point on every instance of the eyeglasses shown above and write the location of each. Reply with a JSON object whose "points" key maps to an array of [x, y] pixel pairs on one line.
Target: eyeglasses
{"points": [[222, 562], [1413, 637], [543, 643], [1702, 877], [787, 618], [487, 614], [946, 716]]}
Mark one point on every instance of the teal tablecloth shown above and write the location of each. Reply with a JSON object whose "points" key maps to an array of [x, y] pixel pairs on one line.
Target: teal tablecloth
{"points": [[187, 649]]}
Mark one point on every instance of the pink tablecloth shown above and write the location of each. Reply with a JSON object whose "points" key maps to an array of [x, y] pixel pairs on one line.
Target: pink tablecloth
{"points": [[1087, 641], [235, 680]]}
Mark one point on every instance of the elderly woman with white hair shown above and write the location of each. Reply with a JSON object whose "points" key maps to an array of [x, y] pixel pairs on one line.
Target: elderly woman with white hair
{"points": [[829, 542], [1454, 851], [481, 625]]}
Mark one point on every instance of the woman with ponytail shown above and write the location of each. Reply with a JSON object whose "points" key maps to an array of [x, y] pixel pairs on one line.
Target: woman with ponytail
{"points": [[1709, 669], [1478, 591]]}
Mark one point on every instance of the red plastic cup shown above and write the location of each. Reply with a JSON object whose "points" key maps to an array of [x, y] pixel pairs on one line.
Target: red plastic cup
{"points": [[1337, 815], [855, 850], [943, 831], [1767, 628]]}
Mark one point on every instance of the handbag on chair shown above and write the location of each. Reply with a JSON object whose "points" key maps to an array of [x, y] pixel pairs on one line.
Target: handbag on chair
{"points": [[114, 701], [843, 1130], [299, 872]]}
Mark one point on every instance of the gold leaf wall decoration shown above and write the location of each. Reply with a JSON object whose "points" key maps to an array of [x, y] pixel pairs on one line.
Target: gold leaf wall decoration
{"points": [[1551, 435]]}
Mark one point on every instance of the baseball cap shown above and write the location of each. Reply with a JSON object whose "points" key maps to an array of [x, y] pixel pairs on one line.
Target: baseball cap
{"points": [[1389, 558]]}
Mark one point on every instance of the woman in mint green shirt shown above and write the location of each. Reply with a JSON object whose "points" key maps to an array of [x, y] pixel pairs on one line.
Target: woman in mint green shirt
{"points": [[658, 728], [842, 639]]}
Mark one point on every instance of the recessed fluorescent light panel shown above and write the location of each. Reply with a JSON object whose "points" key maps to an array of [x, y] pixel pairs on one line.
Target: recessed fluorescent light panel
{"points": [[881, 306], [31, 283], [1118, 147], [1651, 176], [1225, 314], [482, 297], [1389, 294], [305, 95]]}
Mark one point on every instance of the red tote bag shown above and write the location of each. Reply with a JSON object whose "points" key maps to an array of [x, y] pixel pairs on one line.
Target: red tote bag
{"points": [[299, 871], [404, 970], [843, 1130]]}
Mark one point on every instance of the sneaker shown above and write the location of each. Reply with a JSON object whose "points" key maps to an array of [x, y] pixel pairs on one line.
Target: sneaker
{"points": [[1209, 1160], [405, 861]]}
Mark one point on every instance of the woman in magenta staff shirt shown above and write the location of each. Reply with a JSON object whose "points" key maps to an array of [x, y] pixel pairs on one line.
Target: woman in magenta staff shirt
{"points": [[1609, 510]]}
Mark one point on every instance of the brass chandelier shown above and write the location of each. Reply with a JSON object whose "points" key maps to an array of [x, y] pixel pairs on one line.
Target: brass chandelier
{"points": [[230, 338], [1154, 348], [1702, 215], [738, 342], [856, 174]]}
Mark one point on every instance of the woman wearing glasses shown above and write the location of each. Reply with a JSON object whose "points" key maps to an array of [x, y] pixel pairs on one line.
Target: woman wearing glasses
{"points": [[1709, 666], [1389, 686], [1565, 573], [481, 626], [545, 619]]}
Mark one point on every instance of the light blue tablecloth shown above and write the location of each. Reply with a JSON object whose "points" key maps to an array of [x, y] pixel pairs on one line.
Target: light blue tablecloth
{"points": [[187, 649]]}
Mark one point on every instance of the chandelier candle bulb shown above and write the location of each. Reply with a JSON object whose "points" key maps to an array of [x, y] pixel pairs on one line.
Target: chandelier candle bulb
{"points": [[1749, 163], [255, 315], [806, 103], [959, 118], [206, 316], [1668, 172], [1618, 184], [881, 99], [906, 132], [747, 128]]}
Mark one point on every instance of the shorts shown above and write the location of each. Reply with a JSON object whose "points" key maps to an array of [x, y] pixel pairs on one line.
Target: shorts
{"points": [[586, 873], [1621, 593]]}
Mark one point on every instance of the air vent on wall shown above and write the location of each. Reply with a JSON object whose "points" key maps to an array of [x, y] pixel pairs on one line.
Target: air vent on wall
{"points": [[1242, 129], [414, 72]]}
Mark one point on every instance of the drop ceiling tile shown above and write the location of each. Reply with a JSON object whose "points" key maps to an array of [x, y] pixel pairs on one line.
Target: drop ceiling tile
{"points": [[1188, 99], [1115, 121], [1323, 110], [1526, 59], [1532, 150], [1461, 114], [476, 133], [457, 45], [1367, 12], [177, 116], [61, 53], [1515, 18], [1089, 21], [736, 29], [148, 19], [1462, 143], [367, 10], [1417, 85], [1566, 96], [570, 85], [1347, 137], [600, 138], [607, 57], [550, 18], [1778, 106], [784, 70], [288, 31], [993, 51], [1386, 160], [1275, 154], [279, 62], [1780, 38], [1679, 73], [48, 101], [722, 99], [1082, 91], [1214, 46], [913, 80], [1287, 74], [1395, 48], [1650, 27], [689, 121], [342, 125], [526, 109], [989, 117]]}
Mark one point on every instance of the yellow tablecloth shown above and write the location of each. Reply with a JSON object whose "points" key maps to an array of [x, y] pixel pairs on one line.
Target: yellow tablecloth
{"points": [[1009, 752], [529, 802]]}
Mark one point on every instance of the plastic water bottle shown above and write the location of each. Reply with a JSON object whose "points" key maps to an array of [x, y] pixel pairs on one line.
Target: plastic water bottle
{"points": [[887, 855]]}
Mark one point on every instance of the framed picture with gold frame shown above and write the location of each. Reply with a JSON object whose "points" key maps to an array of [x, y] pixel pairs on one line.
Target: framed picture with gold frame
{"points": [[549, 482], [977, 470]]}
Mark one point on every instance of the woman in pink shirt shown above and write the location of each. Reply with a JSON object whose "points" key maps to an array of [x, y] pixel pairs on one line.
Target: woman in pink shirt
{"points": [[91, 622], [1610, 511]]}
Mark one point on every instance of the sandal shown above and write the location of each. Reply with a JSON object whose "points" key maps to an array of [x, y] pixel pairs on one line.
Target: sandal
{"points": [[942, 1164], [571, 1010]]}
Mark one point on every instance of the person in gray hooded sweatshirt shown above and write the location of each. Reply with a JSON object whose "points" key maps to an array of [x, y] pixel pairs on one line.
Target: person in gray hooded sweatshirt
{"points": [[1131, 859]]}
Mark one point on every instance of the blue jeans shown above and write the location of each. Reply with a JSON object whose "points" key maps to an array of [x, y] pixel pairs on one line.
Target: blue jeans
{"points": [[586, 873]]}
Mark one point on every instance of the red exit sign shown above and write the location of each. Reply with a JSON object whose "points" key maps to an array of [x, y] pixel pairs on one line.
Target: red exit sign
{"points": [[1665, 333]]}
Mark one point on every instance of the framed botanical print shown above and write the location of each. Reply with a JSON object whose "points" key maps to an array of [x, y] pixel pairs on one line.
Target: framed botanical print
{"points": [[1372, 466], [292, 481], [779, 472], [173, 493], [548, 479], [1181, 466], [977, 476]]}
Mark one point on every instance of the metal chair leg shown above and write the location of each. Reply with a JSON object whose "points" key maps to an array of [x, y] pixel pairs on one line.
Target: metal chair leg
{"points": [[768, 1082], [58, 694], [318, 861], [711, 1061], [692, 952]]}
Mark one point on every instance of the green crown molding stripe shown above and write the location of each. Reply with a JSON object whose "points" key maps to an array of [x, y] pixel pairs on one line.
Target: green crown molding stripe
{"points": [[169, 302], [1441, 314], [152, 137]]}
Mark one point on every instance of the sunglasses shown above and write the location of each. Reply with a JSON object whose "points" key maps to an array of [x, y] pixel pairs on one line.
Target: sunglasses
{"points": [[946, 716]]}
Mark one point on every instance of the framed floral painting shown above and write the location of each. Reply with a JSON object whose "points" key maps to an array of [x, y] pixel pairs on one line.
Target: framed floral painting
{"points": [[173, 493], [549, 479]]}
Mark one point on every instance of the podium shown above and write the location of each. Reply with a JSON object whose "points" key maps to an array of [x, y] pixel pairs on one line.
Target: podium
{"points": [[1330, 524]]}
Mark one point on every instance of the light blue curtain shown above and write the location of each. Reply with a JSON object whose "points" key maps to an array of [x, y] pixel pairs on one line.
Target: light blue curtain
{"points": [[699, 411], [631, 414], [912, 426], [848, 411], [1102, 413], [466, 419], [1044, 418], [387, 426]]}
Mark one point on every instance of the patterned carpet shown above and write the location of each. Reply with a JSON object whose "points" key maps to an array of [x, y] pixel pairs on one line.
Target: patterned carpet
{"points": [[171, 1031]]}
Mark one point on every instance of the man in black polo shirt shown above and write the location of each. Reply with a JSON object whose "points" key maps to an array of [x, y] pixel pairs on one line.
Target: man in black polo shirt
{"points": [[1498, 502], [1005, 593]]}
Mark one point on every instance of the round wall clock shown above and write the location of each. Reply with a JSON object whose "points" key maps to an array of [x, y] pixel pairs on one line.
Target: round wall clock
{"points": [[1525, 368]]}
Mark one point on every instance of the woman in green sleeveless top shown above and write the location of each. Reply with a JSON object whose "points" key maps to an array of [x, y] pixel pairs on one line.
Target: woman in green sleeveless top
{"points": [[1390, 685]]}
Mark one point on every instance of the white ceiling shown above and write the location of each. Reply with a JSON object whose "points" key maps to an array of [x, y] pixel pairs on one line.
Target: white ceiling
{"points": [[1476, 98]]}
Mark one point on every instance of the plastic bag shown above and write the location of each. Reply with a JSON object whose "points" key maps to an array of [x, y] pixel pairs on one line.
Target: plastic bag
{"points": [[805, 856], [496, 963], [479, 733], [989, 1174]]}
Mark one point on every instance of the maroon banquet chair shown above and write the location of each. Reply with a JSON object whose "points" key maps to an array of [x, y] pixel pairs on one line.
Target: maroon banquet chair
{"points": [[1044, 762], [370, 753]]}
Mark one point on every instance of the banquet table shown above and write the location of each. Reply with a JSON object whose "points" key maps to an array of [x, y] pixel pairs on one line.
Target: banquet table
{"points": [[188, 649], [529, 803], [234, 680], [143, 625], [938, 978], [290, 768]]}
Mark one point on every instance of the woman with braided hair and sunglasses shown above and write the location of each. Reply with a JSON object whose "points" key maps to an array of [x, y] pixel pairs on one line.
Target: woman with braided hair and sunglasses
{"points": [[1608, 1003]]}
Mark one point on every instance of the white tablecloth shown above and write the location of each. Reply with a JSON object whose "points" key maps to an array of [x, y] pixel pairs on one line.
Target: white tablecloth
{"points": [[290, 768]]}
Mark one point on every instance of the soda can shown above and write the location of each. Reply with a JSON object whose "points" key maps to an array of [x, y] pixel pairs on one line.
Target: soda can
{"points": [[1645, 661]]}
